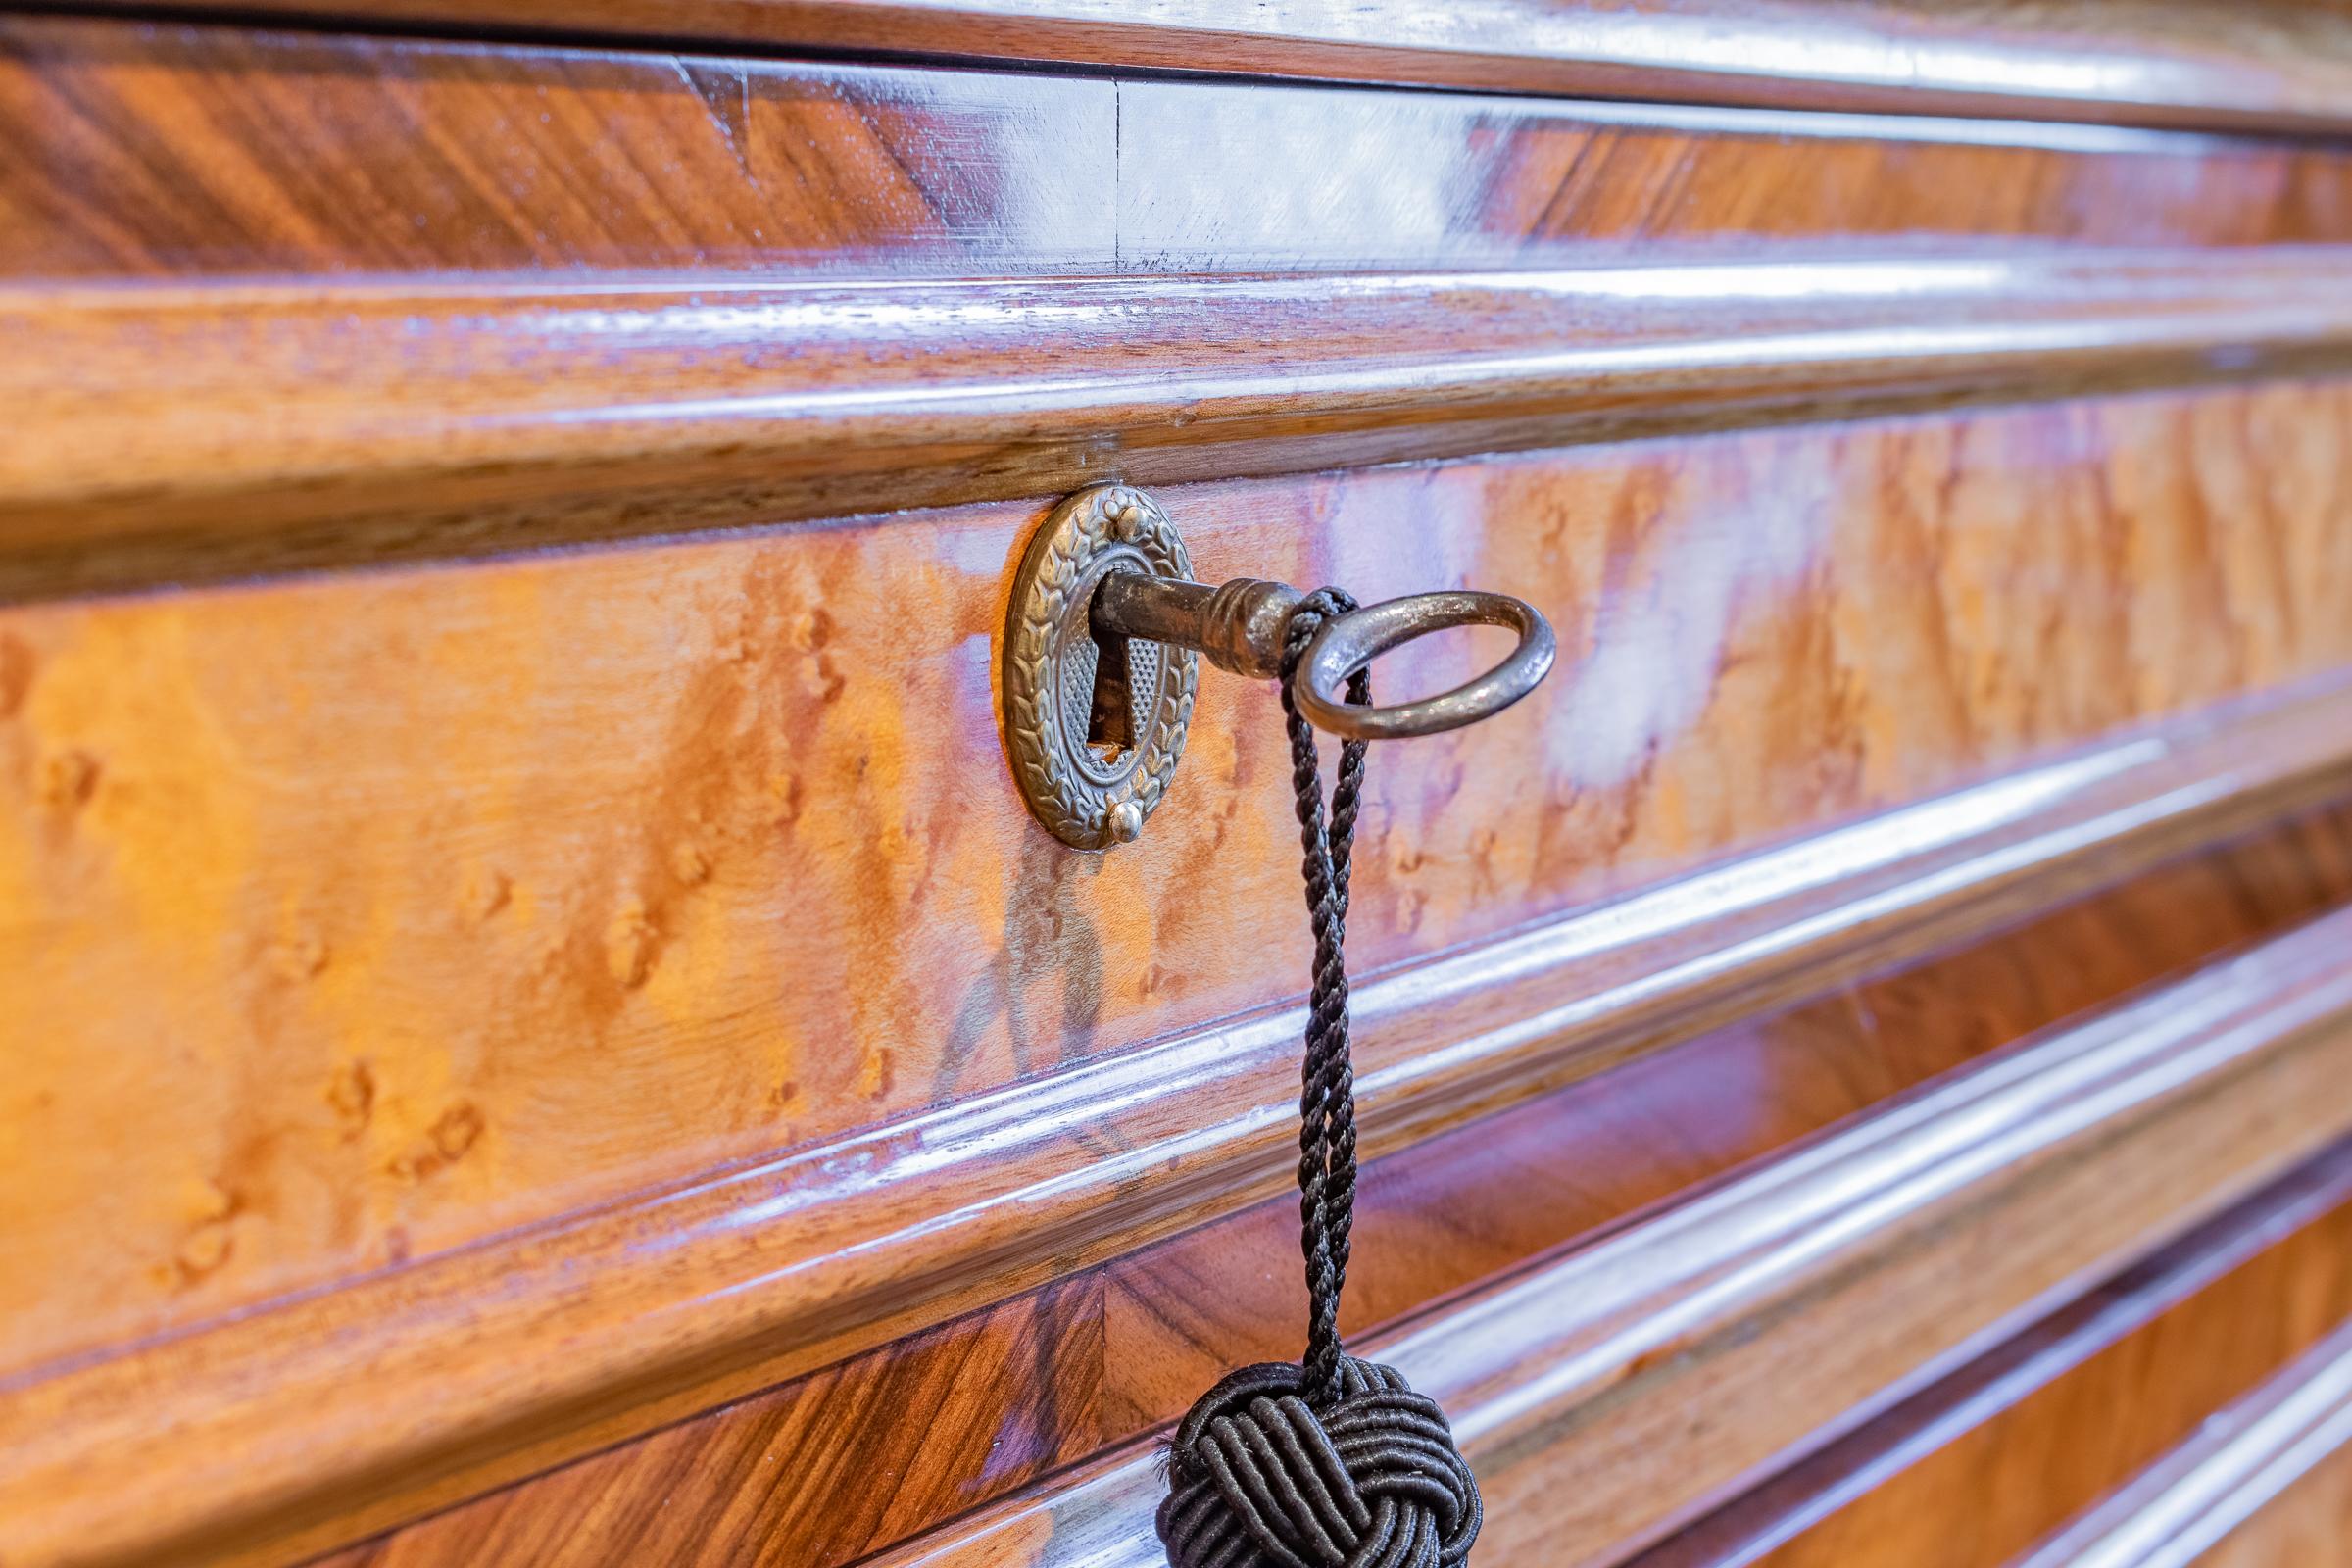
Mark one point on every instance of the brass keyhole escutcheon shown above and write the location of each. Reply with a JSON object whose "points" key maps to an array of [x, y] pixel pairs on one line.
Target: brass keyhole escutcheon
{"points": [[1100, 654], [1094, 726]]}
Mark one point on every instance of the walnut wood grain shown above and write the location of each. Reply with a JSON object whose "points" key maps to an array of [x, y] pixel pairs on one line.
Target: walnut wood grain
{"points": [[2207, 1500], [829, 1468], [191, 433], [1167, 1321], [1573, 1164], [2279, 64], [193, 150], [1977, 1469], [358, 961], [1609, 1396], [185, 432]]}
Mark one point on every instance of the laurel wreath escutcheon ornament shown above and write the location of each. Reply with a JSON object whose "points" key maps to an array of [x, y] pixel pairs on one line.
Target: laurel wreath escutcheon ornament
{"points": [[1092, 795]]}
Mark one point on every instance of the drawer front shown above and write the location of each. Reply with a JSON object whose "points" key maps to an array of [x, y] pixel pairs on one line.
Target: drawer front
{"points": [[530, 887]]}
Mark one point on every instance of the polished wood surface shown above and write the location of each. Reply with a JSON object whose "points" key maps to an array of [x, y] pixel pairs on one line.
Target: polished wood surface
{"points": [[519, 930], [2307, 1522], [421, 984], [1459, 290], [597, 1023], [2205, 1502], [2279, 64], [1163, 1323], [1982, 1466], [208, 432], [185, 152], [324, 371], [1607, 1396]]}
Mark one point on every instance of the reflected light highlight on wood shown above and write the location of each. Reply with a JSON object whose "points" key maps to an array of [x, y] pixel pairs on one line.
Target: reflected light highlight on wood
{"points": [[173, 152], [2056, 1418], [210, 432], [2213, 1491]]}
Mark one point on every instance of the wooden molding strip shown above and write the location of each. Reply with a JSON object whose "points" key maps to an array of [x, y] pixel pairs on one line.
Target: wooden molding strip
{"points": [[2182, 1508], [172, 432], [2045, 1359], [538, 1347], [2279, 65], [1613, 1394], [678, 1495]]}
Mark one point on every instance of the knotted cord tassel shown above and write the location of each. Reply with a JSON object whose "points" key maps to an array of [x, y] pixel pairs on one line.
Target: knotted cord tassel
{"points": [[1336, 1462], [1371, 1481]]}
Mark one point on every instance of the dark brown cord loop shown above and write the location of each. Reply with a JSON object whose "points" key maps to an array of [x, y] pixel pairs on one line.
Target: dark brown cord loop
{"points": [[1334, 1463]]}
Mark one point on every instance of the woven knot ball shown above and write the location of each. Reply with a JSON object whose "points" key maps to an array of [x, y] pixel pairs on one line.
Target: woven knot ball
{"points": [[1257, 1479]]}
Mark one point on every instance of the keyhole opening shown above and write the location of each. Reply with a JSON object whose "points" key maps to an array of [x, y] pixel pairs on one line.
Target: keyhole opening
{"points": [[1110, 718]]}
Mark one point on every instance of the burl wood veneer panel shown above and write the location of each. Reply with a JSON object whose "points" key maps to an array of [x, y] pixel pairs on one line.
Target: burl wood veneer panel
{"points": [[540, 1343], [978, 1408], [146, 150], [527, 885]]}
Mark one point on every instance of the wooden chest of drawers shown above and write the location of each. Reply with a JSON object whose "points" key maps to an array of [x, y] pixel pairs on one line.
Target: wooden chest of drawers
{"points": [[539, 1031]]}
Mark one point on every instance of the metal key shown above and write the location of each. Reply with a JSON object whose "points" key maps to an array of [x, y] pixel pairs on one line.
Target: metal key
{"points": [[1240, 626]]}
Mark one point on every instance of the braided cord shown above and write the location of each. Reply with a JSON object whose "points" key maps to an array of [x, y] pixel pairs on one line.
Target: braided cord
{"points": [[1335, 1462], [1327, 1075]]}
